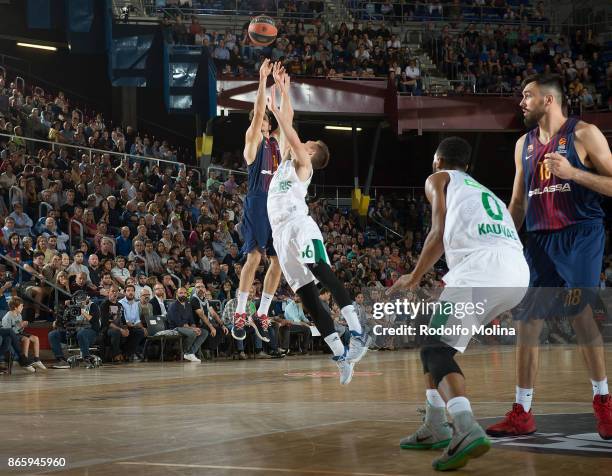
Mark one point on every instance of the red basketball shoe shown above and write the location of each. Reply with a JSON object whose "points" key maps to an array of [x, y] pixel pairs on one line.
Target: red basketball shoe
{"points": [[517, 422], [602, 406]]}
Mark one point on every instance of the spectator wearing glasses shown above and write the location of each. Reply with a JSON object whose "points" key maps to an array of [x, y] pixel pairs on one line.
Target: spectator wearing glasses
{"points": [[158, 300]]}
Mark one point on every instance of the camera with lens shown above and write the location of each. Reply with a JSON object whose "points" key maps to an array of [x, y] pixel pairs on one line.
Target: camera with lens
{"points": [[72, 318], [5, 277]]}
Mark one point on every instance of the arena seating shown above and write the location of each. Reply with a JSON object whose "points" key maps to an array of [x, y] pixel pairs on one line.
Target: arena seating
{"points": [[457, 48]]}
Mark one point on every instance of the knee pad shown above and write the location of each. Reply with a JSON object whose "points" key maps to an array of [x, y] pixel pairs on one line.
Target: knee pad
{"points": [[438, 360]]}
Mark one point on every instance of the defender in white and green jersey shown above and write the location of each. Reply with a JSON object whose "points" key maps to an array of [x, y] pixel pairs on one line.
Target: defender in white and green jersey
{"points": [[487, 276]]}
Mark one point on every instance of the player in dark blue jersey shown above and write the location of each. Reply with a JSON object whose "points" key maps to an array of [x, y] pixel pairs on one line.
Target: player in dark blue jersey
{"points": [[563, 167], [262, 155]]}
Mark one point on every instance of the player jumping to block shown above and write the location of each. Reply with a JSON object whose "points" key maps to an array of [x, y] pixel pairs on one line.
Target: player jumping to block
{"points": [[262, 155], [473, 228], [298, 240]]}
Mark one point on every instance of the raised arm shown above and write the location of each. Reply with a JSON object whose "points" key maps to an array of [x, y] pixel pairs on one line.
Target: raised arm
{"points": [[253, 133], [299, 153], [282, 82]]}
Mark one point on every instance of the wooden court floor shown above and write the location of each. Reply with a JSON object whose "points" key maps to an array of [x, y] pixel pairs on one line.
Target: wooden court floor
{"points": [[286, 417]]}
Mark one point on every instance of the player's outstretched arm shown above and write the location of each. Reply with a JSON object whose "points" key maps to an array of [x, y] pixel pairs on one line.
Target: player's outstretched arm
{"points": [[518, 202], [598, 152], [253, 133], [282, 83], [433, 248], [285, 118]]}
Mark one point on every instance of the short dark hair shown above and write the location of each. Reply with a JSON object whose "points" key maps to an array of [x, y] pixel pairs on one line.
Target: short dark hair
{"points": [[320, 158], [455, 151], [130, 286], [39, 253], [551, 82]]}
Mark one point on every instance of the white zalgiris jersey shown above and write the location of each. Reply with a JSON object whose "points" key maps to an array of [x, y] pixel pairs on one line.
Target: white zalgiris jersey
{"points": [[287, 195], [475, 219]]}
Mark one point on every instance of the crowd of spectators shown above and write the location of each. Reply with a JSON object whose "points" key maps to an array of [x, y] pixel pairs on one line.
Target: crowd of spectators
{"points": [[496, 58], [491, 57]]}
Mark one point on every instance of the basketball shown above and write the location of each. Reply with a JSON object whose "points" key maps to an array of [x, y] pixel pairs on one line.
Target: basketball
{"points": [[262, 30]]}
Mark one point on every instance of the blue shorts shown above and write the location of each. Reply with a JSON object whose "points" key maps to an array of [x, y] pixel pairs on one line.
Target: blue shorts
{"points": [[256, 230], [564, 268], [568, 258]]}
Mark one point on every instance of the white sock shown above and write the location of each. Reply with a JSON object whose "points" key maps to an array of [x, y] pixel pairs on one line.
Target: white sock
{"points": [[243, 297], [524, 397], [457, 405], [264, 304], [434, 398], [600, 387], [335, 344], [351, 318]]}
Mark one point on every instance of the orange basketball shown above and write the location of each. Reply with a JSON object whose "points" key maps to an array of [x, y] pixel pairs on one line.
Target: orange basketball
{"points": [[262, 30]]}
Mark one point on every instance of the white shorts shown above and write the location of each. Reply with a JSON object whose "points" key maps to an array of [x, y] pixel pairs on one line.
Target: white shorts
{"points": [[485, 284], [297, 243]]}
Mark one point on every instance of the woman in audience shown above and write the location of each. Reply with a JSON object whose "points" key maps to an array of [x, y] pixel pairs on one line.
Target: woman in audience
{"points": [[41, 244], [195, 237], [227, 292]]}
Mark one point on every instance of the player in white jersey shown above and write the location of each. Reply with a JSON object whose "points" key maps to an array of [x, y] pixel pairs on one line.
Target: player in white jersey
{"points": [[297, 239], [487, 276]]}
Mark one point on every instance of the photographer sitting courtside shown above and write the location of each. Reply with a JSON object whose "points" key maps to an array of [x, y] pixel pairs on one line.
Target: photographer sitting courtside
{"points": [[80, 318]]}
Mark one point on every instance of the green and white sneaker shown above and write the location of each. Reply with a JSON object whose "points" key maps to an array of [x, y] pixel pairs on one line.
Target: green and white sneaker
{"points": [[345, 366], [469, 441], [434, 433]]}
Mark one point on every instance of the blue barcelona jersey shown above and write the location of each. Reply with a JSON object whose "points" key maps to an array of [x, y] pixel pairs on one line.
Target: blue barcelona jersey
{"points": [[263, 168], [554, 203], [256, 230]]}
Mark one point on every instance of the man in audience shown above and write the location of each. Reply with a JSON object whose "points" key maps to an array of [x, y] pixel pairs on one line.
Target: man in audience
{"points": [[123, 243], [120, 272], [23, 223], [77, 266], [158, 301], [51, 229], [180, 318], [131, 312], [203, 312], [114, 323], [295, 322], [94, 270]]}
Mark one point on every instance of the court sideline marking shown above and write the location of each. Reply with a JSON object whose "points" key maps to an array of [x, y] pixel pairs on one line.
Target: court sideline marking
{"points": [[255, 468]]}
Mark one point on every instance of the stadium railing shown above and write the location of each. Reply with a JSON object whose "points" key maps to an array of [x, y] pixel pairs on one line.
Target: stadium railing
{"points": [[188, 12]]}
